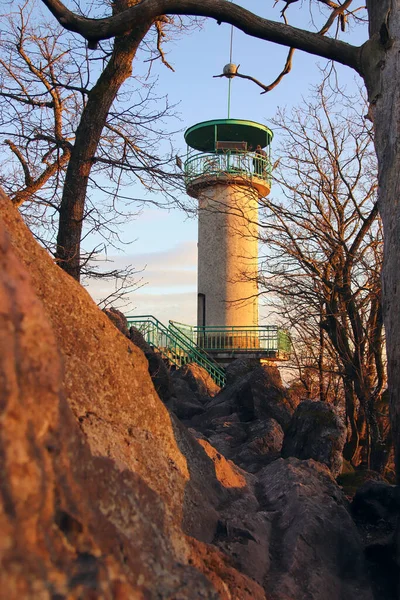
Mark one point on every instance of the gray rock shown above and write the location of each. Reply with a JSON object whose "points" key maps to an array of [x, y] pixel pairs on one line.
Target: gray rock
{"points": [[198, 380], [316, 431], [261, 395], [314, 547], [263, 445], [377, 501], [257, 395], [231, 427], [265, 437], [184, 402], [251, 446], [376, 509], [193, 387], [239, 368], [118, 318], [137, 338], [245, 421]]}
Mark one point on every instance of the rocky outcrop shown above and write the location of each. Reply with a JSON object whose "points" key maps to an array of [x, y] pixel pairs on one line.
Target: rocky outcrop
{"points": [[257, 395], [314, 548], [239, 368], [198, 380], [105, 494], [184, 390], [263, 445], [99, 487], [64, 529], [316, 431], [192, 388], [245, 420], [183, 402]]}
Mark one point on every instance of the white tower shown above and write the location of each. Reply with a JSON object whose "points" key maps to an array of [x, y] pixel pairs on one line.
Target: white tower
{"points": [[228, 172]]}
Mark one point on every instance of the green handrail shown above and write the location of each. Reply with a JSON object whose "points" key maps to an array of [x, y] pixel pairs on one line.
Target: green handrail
{"points": [[182, 331], [199, 355], [247, 164], [158, 336], [173, 346], [265, 338]]}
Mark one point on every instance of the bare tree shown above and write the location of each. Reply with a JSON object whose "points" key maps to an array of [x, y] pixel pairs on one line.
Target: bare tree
{"points": [[314, 368], [325, 249], [47, 82]]}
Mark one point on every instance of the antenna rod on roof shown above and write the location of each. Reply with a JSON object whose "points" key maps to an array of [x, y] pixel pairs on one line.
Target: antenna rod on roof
{"points": [[230, 79]]}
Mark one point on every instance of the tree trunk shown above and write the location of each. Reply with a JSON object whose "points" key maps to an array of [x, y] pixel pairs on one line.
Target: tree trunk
{"points": [[321, 356], [350, 450], [385, 108], [94, 115]]}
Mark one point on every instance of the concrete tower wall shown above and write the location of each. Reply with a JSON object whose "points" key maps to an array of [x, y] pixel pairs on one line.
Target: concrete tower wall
{"points": [[228, 255]]}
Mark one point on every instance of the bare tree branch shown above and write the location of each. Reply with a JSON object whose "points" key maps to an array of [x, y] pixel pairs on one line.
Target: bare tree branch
{"points": [[95, 30], [267, 88]]}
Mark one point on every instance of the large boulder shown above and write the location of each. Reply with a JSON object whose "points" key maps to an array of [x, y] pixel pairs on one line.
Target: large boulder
{"points": [[65, 530], [184, 403], [259, 394], [246, 419], [192, 388], [199, 381], [240, 367], [314, 547], [316, 431], [228, 435], [158, 370], [263, 445], [251, 446]]}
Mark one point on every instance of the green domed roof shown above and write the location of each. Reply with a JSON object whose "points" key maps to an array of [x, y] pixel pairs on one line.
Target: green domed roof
{"points": [[203, 136]]}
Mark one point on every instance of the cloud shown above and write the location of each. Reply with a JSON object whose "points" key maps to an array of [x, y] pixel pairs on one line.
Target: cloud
{"points": [[178, 257], [170, 277], [179, 307]]}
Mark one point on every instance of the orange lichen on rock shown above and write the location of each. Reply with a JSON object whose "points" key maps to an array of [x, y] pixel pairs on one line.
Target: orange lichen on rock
{"points": [[226, 472]]}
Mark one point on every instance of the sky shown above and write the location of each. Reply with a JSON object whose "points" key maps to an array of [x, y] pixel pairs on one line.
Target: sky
{"points": [[164, 243]]}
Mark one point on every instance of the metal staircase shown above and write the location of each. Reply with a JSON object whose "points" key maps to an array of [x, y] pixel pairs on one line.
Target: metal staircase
{"points": [[175, 346]]}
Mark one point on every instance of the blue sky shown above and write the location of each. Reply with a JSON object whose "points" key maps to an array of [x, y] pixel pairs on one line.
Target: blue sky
{"points": [[165, 243]]}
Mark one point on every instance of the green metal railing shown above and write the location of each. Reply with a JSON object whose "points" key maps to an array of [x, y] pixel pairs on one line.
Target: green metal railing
{"points": [[247, 164], [174, 346], [180, 332], [268, 339]]}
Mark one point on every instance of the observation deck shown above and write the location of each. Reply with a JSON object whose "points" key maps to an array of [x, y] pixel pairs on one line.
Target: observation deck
{"points": [[223, 151], [212, 348], [269, 343]]}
